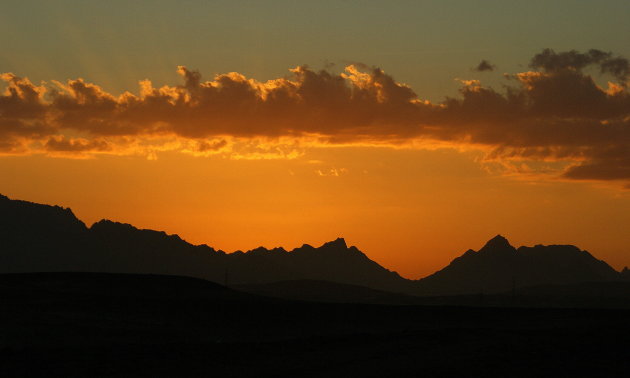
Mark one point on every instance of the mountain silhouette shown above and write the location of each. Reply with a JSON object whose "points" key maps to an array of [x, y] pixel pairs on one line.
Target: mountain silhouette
{"points": [[40, 238], [499, 267], [44, 238]]}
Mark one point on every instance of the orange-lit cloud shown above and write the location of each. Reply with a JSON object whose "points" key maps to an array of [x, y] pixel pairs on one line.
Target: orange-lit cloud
{"points": [[555, 113]]}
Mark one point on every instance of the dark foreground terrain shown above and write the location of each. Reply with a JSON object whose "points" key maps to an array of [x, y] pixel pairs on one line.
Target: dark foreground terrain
{"points": [[110, 325]]}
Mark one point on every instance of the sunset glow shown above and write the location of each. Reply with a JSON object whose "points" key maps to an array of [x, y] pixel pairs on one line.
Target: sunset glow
{"points": [[268, 136]]}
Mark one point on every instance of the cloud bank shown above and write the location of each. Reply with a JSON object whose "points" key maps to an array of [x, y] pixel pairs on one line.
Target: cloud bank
{"points": [[555, 113]]}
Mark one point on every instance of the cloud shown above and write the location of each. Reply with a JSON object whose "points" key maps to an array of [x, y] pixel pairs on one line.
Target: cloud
{"points": [[612, 163], [217, 145], [550, 61], [484, 65], [557, 112], [63, 144], [333, 172]]}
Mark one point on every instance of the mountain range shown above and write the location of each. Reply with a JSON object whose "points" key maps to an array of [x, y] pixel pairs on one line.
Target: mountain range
{"points": [[43, 238]]}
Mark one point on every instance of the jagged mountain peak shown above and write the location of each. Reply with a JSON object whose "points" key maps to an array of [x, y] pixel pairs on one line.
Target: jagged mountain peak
{"points": [[50, 238], [498, 266], [339, 243], [497, 244]]}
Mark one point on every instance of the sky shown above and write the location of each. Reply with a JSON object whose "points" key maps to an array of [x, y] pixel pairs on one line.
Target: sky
{"points": [[414, 129]]}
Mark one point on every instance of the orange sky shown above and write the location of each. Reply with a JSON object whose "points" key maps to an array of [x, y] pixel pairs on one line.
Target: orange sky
{"points": [[410, 210], [205, 121]]}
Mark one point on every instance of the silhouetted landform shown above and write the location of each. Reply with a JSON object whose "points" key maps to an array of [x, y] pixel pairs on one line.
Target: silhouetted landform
{"points": [[611, 295], [112, 325], [80, 284], [50, 238], [43, 238], [330, 292], [614, 294], [499, 267]]}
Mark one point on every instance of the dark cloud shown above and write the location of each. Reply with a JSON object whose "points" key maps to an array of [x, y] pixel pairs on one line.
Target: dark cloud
{"points": [[618, 67], [606, 163], [484, 66], [556, 112], [550, 61], [211, 146]]}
